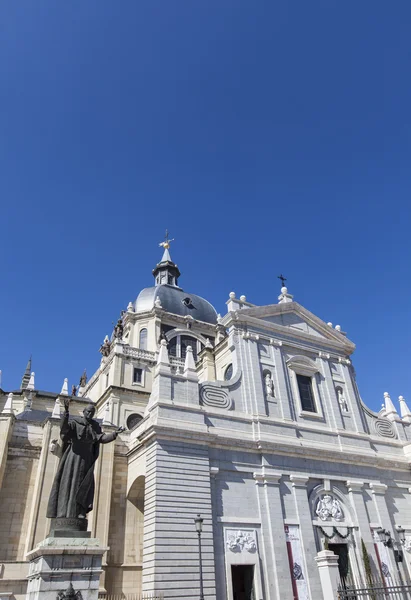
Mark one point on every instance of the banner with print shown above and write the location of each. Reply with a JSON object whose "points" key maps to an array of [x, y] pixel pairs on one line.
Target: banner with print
{"points": [[296, 560]]}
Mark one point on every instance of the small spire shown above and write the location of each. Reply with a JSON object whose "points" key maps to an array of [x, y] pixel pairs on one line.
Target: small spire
{"points": [[64, 389], [166, 271], [405, 412], [26, 377], [56, 408], [30, 385], [163, 354], [390, 410], [8, 407], [189, 365]]}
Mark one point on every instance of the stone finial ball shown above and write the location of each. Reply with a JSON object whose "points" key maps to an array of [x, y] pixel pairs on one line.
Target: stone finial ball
{"points": [[232, 295], [284, 290], [386, 395], [329, 324], [338, 327], [243, 298]]}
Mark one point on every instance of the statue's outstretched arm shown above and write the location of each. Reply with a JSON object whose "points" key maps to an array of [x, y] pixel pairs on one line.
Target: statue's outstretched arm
{"points": [[106, 438]]}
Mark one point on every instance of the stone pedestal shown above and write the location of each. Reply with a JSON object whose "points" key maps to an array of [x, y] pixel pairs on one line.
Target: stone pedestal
{"points": [[327, 563], [58, 562]]}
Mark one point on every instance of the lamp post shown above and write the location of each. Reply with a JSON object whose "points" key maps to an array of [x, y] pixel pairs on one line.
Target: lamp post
{"points": [[199, 528]]}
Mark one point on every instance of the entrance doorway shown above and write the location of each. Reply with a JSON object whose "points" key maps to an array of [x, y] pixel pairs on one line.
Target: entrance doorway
{"points": [[341, 550], [243, 582]]}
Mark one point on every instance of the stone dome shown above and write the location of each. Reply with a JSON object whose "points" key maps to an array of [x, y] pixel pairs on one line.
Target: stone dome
{"points": [[175, 300]]}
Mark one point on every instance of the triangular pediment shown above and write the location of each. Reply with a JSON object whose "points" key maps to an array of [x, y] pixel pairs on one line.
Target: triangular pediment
{"points": [[297, 320]]}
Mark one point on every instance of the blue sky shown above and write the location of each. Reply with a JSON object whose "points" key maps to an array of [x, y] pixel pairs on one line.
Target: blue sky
{"points": [[267, 136]]}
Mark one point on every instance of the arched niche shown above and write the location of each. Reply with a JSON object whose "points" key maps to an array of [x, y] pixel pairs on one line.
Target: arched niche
{"points": [[133, 542]]}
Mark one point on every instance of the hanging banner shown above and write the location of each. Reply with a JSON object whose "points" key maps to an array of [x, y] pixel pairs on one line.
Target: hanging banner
{"points": [[383, 558], [295, 558]]}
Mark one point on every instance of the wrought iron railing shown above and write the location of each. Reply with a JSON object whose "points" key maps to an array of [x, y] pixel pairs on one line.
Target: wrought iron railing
{"points": [[142, 596], [376, 588]]}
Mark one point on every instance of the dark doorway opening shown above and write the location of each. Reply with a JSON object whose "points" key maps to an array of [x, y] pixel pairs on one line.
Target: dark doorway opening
{"points": [[243, 582], [341, 550]]}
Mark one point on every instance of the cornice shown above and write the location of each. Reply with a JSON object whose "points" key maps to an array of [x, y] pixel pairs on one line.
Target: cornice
{"points": [[283, 447], [255, 316]]}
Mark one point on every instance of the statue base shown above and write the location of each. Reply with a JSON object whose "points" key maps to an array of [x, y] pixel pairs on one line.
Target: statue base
{"points": [[69, 528], [58, 561]]}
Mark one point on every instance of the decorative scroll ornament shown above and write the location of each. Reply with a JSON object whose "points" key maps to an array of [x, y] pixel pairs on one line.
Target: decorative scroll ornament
{"points": [[238, 541], [69, 594], [384, 428], [329, 508], [215, 396]]}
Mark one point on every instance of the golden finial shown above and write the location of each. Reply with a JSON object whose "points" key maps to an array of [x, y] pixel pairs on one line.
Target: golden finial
{"points": [[167, 241]]}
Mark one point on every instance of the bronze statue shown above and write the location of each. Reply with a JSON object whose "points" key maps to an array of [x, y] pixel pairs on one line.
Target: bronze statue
{"points": [[73, 488], [74, 390]]}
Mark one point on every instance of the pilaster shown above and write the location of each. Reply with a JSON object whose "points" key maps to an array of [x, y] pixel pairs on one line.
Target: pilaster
{"points": [[331, 402], [299, 483], [283, 387], [355, 493], [6, 428], [277, 571]]}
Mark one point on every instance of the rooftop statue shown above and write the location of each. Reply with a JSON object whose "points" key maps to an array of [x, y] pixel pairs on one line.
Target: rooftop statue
{"points": [[73, 488]]}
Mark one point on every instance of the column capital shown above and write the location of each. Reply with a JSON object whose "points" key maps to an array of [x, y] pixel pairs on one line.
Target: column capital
{"points": [[267, 477], [299, 480], [378, 488], [354, 486]]}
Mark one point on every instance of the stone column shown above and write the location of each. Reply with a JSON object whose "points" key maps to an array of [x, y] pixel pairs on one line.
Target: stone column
{"points": [[357, 502], [327, 563], [299, 483], [277, 578]]}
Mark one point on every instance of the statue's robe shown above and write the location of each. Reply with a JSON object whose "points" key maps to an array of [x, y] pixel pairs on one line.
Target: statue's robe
{"points": [[73, 487]]}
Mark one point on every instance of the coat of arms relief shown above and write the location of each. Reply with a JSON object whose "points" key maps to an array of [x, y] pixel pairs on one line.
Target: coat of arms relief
{"points": [[238, 541], [329, 508]]}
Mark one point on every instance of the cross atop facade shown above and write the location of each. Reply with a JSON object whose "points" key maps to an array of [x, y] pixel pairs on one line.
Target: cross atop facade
{"points": [[283, 279], [167, 241]]}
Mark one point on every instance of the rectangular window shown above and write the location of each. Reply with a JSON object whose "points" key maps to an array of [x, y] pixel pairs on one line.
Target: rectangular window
{"points": [[137, 375], [305, 388]]}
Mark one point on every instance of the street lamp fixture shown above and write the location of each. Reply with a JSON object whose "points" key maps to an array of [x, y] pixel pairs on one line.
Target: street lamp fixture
{"points": [[385, 537], [199, 528], [401, 534]]}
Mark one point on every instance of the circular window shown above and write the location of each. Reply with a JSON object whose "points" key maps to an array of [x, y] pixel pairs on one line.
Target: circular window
{"points": [[133, 420], [228, 373]]}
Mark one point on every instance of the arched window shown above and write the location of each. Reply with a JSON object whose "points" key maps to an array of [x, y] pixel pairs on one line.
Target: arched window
{"points": [[133, 420], [143, 339], [186, 340], [228, 373]]}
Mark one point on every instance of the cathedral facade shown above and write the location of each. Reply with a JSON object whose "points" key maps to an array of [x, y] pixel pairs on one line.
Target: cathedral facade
{"points": [[252, 420]]}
